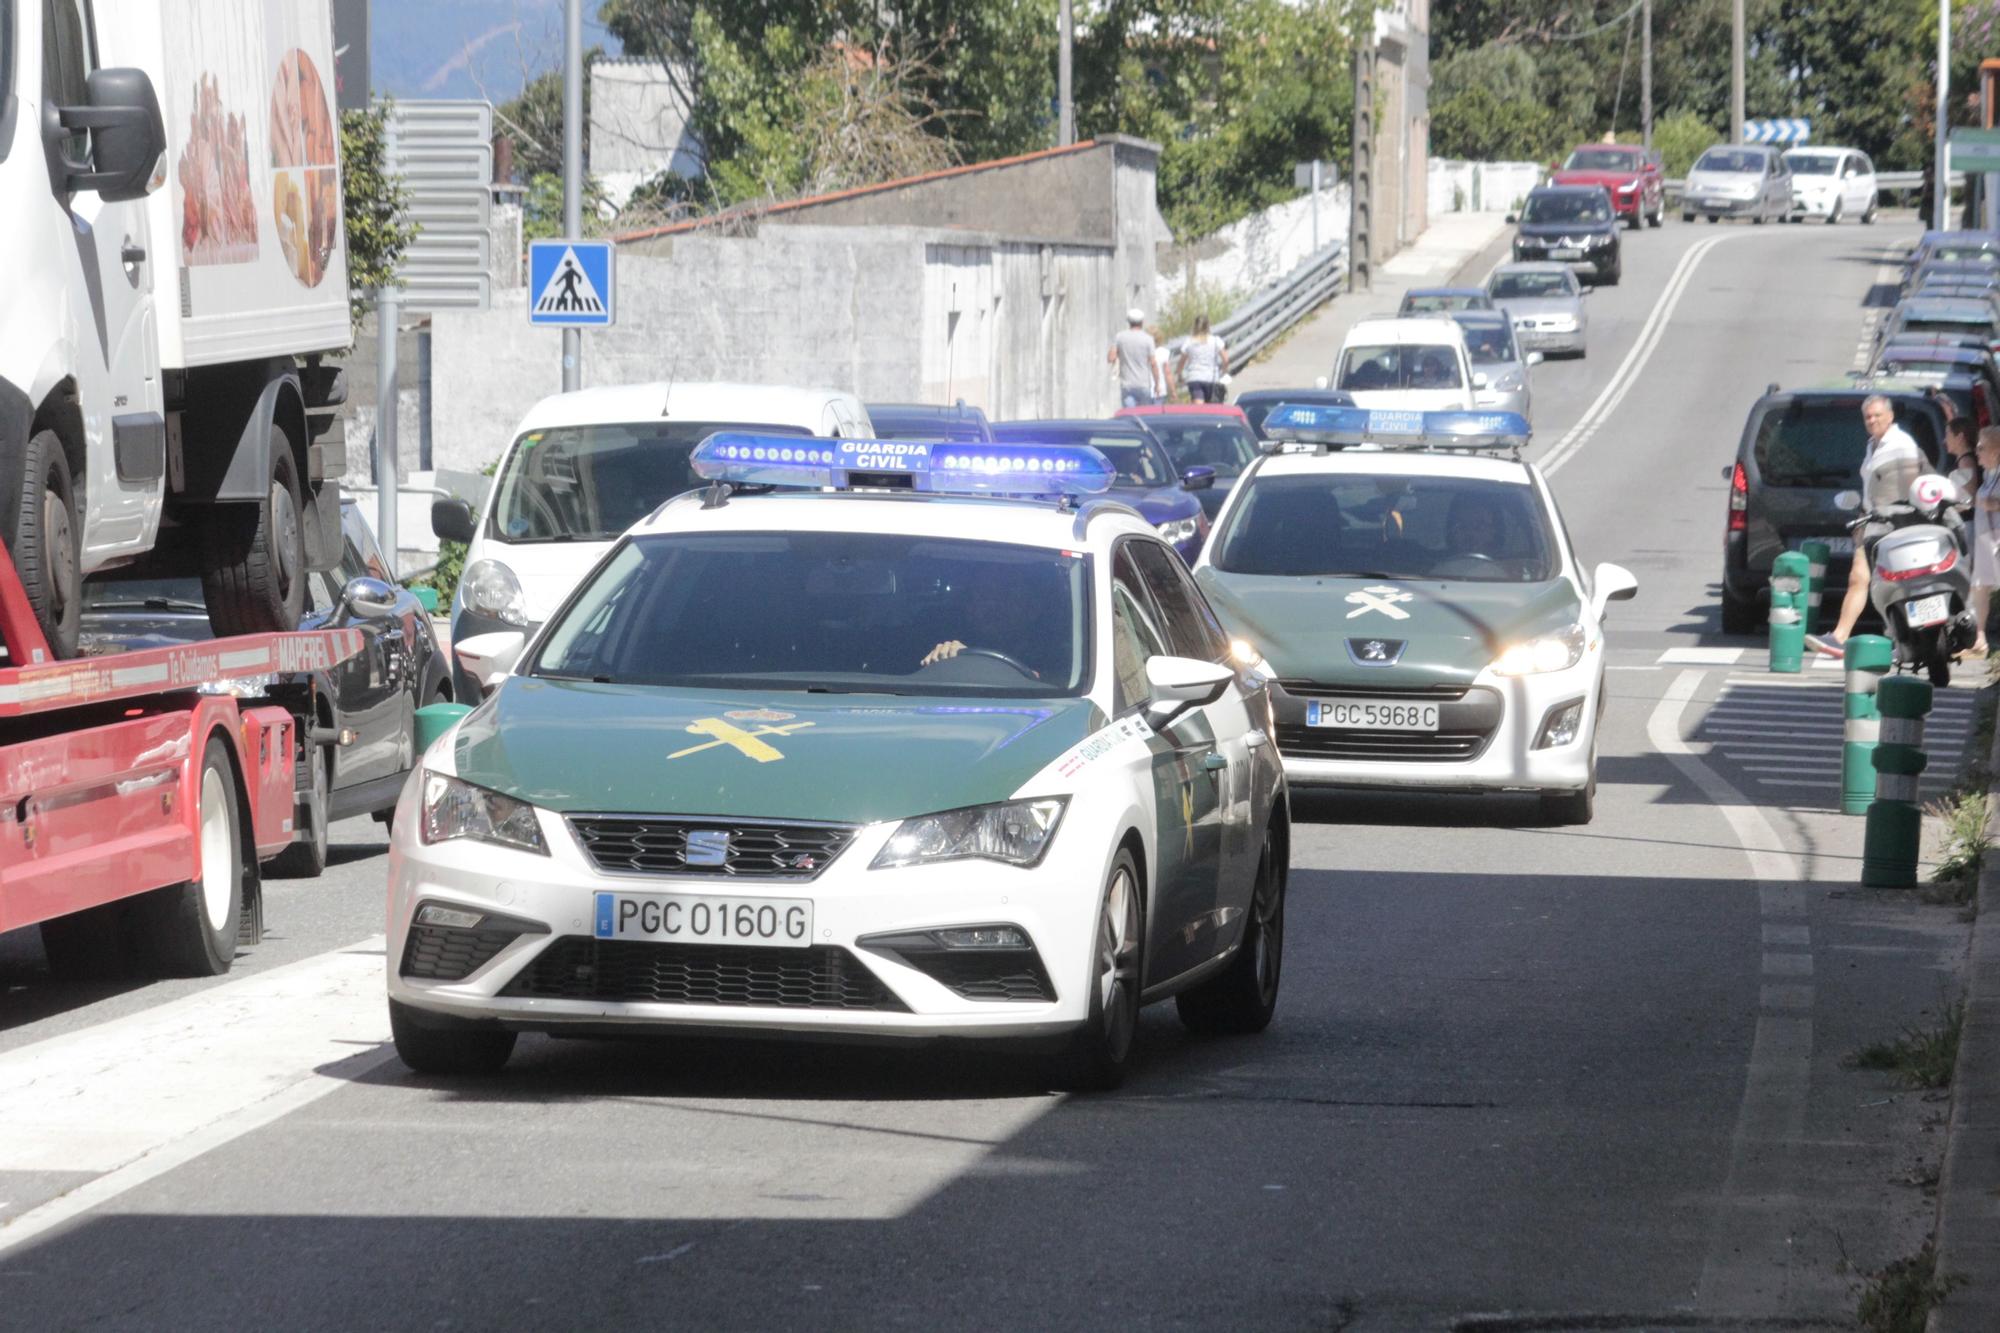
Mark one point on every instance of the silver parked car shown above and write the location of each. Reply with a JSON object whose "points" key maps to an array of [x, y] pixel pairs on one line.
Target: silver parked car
{"points": [[1499, 366], [1738, 181], [1545, 302]]}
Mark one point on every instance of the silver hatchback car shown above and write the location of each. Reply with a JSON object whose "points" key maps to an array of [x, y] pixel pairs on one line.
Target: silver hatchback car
{"points": [[1738, 181], [1499, 366], [1545, 302]]}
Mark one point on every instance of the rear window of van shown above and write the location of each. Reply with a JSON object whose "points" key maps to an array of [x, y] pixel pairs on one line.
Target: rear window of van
{"points": [[1808, 443]]}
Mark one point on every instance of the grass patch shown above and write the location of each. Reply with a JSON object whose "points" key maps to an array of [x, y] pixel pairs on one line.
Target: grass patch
{"points": [[1900, 1297], [1185, 301], [1921, 1057], [1956, 879]]}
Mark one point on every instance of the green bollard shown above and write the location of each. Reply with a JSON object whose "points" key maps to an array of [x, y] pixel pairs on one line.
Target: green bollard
{"points": [[1788, 636], [1816, 554], [434, 720], [1895, 825], [1868, 656]]}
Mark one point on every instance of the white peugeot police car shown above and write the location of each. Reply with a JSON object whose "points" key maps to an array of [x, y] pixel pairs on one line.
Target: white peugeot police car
{"points": [[1410, 586], [907, 739]]}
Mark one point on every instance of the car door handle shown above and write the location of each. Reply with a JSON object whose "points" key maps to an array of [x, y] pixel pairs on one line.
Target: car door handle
{"points": [[1215, 761], [133, 253]]}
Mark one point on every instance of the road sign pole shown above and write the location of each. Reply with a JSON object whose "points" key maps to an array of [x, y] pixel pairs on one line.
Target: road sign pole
{"points": [[1065, 106], [1646, 74], [1942, 205], [387, 396], [1736, 72], [572, 360]]}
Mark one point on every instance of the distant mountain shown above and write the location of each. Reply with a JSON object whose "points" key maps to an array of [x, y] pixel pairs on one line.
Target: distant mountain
{"points": [[469, 48]]}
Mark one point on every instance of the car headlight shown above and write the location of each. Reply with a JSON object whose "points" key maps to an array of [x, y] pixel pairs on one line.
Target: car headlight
{"points": [[1551, 652], [489, 588], [1014, 832], [1178, 529], [1594, 241], [455, 809]]}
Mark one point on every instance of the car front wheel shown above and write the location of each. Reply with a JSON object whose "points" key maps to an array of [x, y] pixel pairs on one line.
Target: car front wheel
{"points": [[434, 1044], [1102, 1048], [1242, 997]]}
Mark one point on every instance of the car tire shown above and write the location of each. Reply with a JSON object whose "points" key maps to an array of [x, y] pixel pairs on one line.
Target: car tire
{"points": [[1714, 217], [191, 929], [439, 1045], [1740, 617], [306, 857], [1241, 998], [1689, 217], [45, 544], [1833, 214], [1759, 220], [1868, 218], [1571, 808], [254, 567], [1657, 217], [1101, 1049], [1617, 271]]}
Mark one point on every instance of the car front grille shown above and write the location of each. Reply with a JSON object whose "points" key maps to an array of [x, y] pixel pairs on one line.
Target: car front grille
{"points": [[1420, 747], [442, 953], [658, 845], [578, 967]]}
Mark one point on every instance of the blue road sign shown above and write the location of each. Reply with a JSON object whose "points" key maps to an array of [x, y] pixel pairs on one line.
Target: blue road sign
{"points": [[570, 284], [1793, 132]]}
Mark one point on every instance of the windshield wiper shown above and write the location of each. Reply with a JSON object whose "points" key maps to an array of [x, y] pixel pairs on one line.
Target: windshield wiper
{"points": [[857, 689], [150, 604]]}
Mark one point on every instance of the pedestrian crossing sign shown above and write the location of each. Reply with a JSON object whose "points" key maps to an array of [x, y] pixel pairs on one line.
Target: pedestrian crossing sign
{"points": [[570, 284]]}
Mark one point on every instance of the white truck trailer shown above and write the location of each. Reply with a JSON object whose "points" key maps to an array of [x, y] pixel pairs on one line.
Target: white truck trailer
{"points": [[174, 260]]}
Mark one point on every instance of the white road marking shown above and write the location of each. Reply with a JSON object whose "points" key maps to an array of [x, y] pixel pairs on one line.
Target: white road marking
{"points": [[1701, 656]]}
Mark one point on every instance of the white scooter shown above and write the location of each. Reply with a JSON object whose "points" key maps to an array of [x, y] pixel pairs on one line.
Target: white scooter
{"points": [[1920, 572]]}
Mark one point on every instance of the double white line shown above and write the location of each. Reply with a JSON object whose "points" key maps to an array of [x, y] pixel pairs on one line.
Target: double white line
{"points": [[1635, 360]]}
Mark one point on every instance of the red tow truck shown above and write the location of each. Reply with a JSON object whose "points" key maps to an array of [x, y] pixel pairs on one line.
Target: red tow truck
{"points": [[141, 791]]}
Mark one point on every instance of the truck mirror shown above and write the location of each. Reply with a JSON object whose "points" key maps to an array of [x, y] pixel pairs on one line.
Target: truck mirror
{"points": [[451, 519], [128, 139]]}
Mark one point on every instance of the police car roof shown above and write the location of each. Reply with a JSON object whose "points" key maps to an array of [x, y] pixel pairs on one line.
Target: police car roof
{"points": [[1396, 462], [1021, 522], [683, 400]]}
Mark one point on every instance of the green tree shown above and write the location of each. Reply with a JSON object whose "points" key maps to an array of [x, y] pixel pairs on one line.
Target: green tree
{"points": [[1855, 63], [1478, 127], [373, 201], [535, 121], [1681, 138]]}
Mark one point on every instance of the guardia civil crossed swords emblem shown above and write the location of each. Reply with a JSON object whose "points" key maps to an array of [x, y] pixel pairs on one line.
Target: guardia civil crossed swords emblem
{"points": [[1380, 598]]}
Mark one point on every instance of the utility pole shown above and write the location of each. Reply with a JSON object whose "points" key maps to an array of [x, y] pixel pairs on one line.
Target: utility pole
{"points": [[1065, 104], [572, 339], [388, 397], [1940, 209], [1646, 73], [1736, 71], [1361, 181]]}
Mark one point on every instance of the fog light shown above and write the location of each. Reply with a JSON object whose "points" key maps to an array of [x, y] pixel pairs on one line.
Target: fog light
{"points": [[1561, 725], [431, 914], [981, 937]]}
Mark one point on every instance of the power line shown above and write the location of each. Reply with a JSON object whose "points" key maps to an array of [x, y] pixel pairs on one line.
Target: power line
{"points": [[1606, 26]]}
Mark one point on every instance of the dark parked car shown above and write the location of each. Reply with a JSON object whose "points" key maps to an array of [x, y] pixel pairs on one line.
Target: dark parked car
{"points": [[928, 421], [1799, 449], [1968, 374], [1147, 478], [1926, 314], [366, 705], [1257, 403], [1574, 225], [1219, 439]]}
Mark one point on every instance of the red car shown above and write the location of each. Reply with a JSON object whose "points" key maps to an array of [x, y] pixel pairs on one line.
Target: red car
{"points": [[1629, 174]]}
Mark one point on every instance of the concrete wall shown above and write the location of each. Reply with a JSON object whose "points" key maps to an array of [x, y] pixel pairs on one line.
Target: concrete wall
{"points": [[1480, 187], [1259, 249]]}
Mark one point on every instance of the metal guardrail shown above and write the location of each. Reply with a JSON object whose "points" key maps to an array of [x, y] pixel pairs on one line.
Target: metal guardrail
{"points": [[1260, 321], [1898, 182]]}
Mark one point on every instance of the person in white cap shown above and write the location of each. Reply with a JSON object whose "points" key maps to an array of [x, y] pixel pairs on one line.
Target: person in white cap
{"points": [[1132, 352]]}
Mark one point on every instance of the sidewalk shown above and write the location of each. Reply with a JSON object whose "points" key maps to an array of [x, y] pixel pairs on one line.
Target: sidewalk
{"points": [[1445, 247]]}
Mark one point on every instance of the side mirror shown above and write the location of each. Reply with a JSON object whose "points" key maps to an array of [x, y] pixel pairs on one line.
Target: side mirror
{"points": [[1478, 379], [488, 658], [1847, 501], [1614, 583], [1178, 684], [1512, 219], [1320, 382], [370, 599], [128, 139], [452, 520], [1197, 478], [1536, 358]]}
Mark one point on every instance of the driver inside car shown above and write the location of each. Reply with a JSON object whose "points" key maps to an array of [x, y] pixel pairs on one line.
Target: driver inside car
{"points": [[1006, 614], [1475, 529]]}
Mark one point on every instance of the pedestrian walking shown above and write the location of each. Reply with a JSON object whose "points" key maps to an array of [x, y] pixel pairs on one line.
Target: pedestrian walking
{"points": [[1204, 361], [1163, 375], [1986, 535], [1132, 353]]}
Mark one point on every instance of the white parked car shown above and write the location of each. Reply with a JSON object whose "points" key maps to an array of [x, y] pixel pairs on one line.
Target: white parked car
{"points": [[584, 467], [1418, 365], [1831, 184]]}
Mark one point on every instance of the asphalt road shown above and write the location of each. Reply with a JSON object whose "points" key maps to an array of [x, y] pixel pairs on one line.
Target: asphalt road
{"points": [[1521, 1077]]}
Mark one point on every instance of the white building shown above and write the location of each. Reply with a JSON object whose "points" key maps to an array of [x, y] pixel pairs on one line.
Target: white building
{"points": [[638, 127]]}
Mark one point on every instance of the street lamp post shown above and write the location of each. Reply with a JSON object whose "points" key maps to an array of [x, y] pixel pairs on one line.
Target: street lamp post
{"points": [[1065, 104], [1941, 198], [572, 339]]}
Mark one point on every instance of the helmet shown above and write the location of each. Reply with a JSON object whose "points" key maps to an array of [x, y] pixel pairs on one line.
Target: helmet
{"points": [[1930, 493]]}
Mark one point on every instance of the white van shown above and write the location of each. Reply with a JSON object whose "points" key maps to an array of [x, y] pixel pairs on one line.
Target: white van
{"points": [[584, 467], [1416, 364]]}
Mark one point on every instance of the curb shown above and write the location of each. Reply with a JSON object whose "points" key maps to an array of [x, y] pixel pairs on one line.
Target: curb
{"points": [[1968, 1215]]}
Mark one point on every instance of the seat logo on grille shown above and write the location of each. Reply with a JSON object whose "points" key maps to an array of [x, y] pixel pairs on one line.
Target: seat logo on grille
{"points": [[707, 847]]}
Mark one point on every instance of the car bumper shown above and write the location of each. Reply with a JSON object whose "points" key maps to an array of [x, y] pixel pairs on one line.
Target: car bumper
{"points": [[1720, 207], [1807, 206], [1507, 761], [1054, 904], [1549, 340]]}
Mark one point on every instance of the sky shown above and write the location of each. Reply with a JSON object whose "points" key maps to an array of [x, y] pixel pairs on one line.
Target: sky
{"points": [[468, 48]]}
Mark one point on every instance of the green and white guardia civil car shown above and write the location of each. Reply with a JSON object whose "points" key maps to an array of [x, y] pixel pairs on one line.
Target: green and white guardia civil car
{"points": [[1415, 599], [894, 762]]}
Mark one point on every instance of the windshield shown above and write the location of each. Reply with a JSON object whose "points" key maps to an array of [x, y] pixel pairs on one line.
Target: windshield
{"points": [[1811, 164], [1941, 324], [1399, 366], [1554, 207], [148, 594], [1226, 446], [953, 427], [1822, 444], [1430, 303], [590, 483], [1523, 286], [833, 612], [1490, 343], [1602, 159], [1138, 460], [1366, 525], [1730, 160]]}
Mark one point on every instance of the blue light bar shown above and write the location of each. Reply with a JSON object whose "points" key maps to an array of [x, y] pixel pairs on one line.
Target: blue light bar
{"points": [[1392, 428], [938, 466]]}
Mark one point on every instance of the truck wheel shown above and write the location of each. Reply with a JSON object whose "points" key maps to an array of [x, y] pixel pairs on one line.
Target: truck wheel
{"points": [[435, 1044], [45, 549], [192, 928], [255, 568], [306, 857]]}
